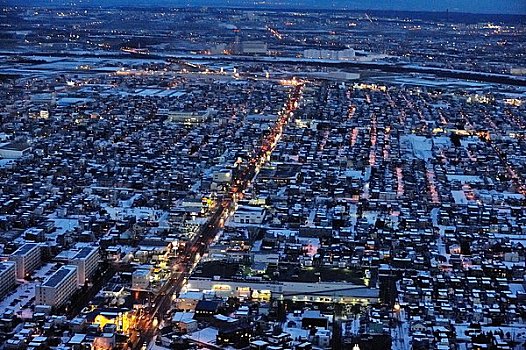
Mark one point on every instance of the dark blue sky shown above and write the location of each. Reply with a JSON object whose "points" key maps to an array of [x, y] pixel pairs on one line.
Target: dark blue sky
{"points": [[470, 6]]}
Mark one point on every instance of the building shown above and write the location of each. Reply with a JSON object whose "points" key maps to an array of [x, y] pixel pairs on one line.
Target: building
{"points": [[141, 279], [246, 214], [223, 176], [122, 318], [87, 262], [237, 336], [189, 118], [104, 341], [314, 319], [187, 301], [58, 288], [184, 322], [341, 55], [206, 309], [321, 292], [335, 75], [14, 150], [254, 47], [44, 114], [518, 71], [7, 277], [27, 259]]}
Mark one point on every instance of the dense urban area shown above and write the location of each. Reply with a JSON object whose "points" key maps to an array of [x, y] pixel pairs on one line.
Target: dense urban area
{"points": [[221, 178]]}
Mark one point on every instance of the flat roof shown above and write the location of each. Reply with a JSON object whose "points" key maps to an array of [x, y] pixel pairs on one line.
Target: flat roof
{"points": [[192, 295], [55, 279], [77, 339], [15, 146], [141, 272], [23, 250], [249, 209], [313, 314], [181, 316], [4, 265], [85, 252]]}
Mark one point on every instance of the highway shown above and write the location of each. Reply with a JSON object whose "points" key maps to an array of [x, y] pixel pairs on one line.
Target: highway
{"points": [[147, 325]]}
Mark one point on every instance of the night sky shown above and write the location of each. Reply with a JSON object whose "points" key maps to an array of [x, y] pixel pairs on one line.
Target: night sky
{"points": [[470, 6]]}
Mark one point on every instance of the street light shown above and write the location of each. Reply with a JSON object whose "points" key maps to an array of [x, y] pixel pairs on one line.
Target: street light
{"points": [[396, 307]]}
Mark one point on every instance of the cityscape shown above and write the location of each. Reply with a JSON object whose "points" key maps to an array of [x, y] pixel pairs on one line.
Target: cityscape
{"points": [[263, 176]]}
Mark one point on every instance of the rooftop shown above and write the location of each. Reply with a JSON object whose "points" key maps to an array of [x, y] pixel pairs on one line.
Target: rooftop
{"points": [[24, 249], [15, 146], [5, 265], [85, 252], [60, 275]]}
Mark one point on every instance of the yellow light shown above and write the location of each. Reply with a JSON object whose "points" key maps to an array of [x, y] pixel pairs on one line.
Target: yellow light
{"points": [[218, 287]]}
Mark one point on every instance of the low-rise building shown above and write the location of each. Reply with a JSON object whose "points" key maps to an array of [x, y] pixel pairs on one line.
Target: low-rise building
{"points": [[249, 215], [141, 279], [14, 150]]}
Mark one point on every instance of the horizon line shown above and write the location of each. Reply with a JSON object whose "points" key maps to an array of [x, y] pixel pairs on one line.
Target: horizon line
{"points": [[263, 8]]}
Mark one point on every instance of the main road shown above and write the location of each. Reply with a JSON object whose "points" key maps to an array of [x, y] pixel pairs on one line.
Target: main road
{"points": [[148, 322]]}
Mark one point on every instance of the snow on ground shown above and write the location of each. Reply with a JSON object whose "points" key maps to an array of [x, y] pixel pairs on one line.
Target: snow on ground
{"points": [[401, 338], [434, 216], [459, 197], [19, 299], [6, 162], [354, 174], [420, 145], [371, 217], [64, 225]]}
